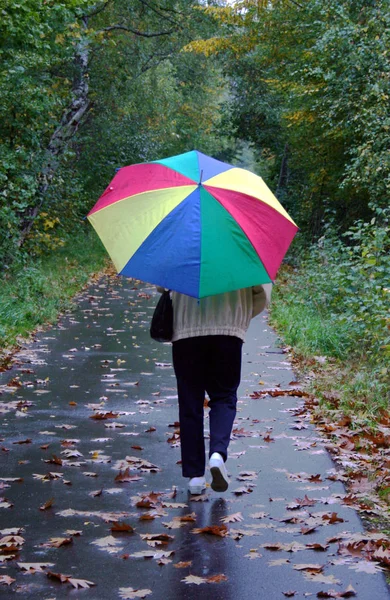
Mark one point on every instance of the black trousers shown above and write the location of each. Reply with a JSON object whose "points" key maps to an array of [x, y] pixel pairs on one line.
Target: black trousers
{"points": [[209, 364]]}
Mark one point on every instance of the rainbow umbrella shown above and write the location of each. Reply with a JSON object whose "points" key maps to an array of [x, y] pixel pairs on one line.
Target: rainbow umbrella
{"points": [[193, 224]]}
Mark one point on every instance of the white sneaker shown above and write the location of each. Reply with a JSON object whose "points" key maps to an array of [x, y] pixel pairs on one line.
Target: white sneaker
{"points": [[220, 481], [196, 485]]}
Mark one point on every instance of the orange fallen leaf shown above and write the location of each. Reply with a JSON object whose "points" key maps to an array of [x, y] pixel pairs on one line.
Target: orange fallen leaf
{"points": [[183, 564], [48, 504], [218, 530], [216, 578], [122, 527]]}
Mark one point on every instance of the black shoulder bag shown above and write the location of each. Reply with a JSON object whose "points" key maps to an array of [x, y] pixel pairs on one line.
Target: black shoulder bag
{"points": [[161, 327]]}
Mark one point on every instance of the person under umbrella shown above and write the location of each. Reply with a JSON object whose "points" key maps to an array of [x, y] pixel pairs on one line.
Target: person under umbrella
{"points": [[207, 342]]}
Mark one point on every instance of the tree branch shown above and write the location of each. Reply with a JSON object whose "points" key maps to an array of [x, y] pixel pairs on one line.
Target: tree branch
{"points": [[135, 31], [158, 12], [296, 3], [98, 10]]}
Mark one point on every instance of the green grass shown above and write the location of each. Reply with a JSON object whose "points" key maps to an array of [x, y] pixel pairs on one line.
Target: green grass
{"points": [[34, 293], [306, 329], [347, 378]]}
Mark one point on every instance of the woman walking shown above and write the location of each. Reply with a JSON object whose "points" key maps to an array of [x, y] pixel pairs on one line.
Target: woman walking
{"points": [[207, 341]]}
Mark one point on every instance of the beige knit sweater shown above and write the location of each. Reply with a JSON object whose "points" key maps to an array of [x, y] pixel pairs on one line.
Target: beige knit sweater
{"points": [[223, 314]]}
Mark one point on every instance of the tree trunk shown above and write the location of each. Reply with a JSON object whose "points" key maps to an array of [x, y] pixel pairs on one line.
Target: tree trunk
{"points": [[283, 174], [69, 124]]}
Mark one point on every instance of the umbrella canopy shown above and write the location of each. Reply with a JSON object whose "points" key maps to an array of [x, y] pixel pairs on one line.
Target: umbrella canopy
{"points": [[193, 224]]}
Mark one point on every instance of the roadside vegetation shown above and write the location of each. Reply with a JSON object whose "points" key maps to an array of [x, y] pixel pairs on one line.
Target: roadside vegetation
{"points": [[333, 310]]}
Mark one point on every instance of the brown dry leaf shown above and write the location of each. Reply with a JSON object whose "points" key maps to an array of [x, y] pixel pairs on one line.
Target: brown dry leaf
{"points": [[320, 578], [218, 530], [242, 490], [333, 518], [4, 503], [259, 515], [156, 554], [216, 578], [59, 576], [317, 546], [306, 530], [289, 594], [108, 543], [157, 537], [183, 564], [174, 505], [247, 476], [122, 527], [80, 583], [147, 517], [366, 567], [194, 579], [174, 524], [278, 562], [201, 498], [253, 555], [34, 567], [299, 503], [348, 593], [96, 493], [234, 518], [312, 568], [129, 593], [101, 416], [48, 504], [190, 518], [290, 547], [164, 561], [57, 542], [6, 580], [55, 460], [11, 543], [125, 477]]}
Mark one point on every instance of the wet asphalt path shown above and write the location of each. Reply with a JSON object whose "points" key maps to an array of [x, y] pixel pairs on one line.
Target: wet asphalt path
{"points": [[100, 360]]}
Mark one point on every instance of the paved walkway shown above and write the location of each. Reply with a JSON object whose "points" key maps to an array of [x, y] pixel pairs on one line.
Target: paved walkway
{"points": [[279, 525]]}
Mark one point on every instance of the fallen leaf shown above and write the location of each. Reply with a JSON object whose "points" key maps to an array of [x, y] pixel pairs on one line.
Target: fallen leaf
{"points": [[234, 518], [122, 527], [194, 579], [57, 542], [218, 530], [125, 477], [242, 490], [48, 504], [80, 583], [216, 578], [6, 580], [312, 568], [34, 567], [129, 593], [183, 564], [156, 554]]}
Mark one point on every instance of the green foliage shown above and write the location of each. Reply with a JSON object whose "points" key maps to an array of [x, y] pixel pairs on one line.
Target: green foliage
{"points": [[32, 294], [144, 99], [310, 84], [337, 305]]}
